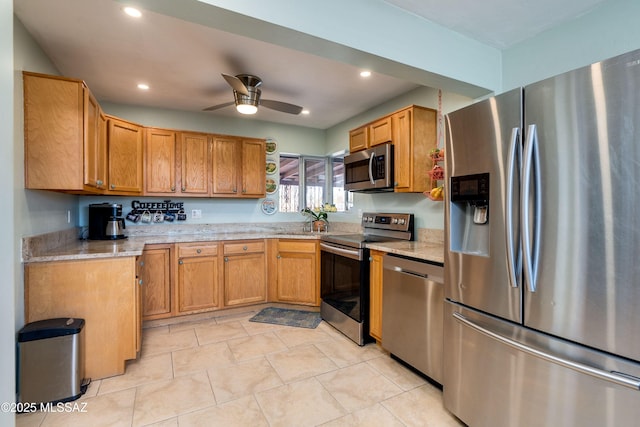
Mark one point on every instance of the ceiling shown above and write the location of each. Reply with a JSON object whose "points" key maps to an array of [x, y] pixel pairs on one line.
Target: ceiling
{"points": [[182, 61]]}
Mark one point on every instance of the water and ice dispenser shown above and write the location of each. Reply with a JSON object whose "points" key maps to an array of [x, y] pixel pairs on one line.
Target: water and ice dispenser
{"points": [[469, 214]]}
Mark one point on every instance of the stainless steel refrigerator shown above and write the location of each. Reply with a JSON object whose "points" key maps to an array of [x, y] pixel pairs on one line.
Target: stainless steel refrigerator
{"points": [[542, 267]]}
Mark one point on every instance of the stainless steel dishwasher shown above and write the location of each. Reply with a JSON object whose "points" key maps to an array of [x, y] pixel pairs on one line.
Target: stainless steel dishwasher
{"points": [[412, 304]]}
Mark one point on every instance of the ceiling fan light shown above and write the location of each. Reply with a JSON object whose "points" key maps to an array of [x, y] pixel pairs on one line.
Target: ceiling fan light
{"points": [[246, 108], [247, 104]]}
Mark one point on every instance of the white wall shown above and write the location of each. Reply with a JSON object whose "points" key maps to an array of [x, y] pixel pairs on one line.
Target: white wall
{"points": [[358, 32], [37, 211], [9, 262], [608, 30]]}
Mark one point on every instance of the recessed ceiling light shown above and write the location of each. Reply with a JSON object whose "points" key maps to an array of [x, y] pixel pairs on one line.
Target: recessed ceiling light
{"points": [[305, 112], [143, 86], [132, 11], [365, 73]]}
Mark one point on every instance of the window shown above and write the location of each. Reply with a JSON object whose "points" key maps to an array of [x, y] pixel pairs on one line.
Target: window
{"points": [[315, 182], [322, 181], [289, 184]]}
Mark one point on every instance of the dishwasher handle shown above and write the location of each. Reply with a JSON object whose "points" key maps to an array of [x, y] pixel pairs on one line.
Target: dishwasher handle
{"points": [[417, 268]]}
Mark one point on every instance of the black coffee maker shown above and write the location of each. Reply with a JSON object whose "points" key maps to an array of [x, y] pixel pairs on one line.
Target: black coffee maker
{"points": [[106, 222]]}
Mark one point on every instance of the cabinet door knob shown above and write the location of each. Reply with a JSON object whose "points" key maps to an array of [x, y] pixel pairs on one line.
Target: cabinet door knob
{"points": [[140, 282], [173, 188], [180, 262], [226, 259], [244, 190], [184, 188], [370, 258], [198, 250], [235, 190], [99, 182], [278, 256], [141, 263], [113, 186]]}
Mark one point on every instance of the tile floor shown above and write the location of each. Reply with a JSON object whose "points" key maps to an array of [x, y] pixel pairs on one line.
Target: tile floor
{"points": [[227, 371]]}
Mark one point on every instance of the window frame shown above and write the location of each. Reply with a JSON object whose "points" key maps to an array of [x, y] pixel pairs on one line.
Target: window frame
{"points": [[302, 184]]}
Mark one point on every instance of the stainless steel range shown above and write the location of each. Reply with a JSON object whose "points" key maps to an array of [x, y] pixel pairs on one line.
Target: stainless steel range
{"points": [[344, 275]]}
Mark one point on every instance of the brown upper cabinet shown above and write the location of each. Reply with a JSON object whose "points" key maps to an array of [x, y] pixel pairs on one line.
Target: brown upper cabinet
{"points": [[412, 132], [159, 162], [371, 134], [124, 148], [64, 134], [72, 146], [238, 167], [195, 164], [414, 136]]}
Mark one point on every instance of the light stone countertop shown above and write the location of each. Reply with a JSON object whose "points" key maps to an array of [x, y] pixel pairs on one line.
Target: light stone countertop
{"points": [[65, 246], [133, 245], [425, 251]]}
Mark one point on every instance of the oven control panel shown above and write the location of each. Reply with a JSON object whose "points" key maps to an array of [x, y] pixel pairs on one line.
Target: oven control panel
{"points": [[388, 221]]}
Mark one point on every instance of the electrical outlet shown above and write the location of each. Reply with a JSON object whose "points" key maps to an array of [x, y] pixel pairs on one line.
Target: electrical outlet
{"points": [[196, 213]]}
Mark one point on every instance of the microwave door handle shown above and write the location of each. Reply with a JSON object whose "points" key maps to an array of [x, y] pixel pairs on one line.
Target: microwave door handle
{"points": [[371, 159]]}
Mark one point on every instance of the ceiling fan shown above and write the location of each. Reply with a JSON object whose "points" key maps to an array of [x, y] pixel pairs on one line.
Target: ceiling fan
{"points": [[247, 96]]}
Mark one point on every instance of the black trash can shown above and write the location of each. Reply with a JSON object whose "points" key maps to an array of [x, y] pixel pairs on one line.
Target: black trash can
{"points": [[51, 361]]}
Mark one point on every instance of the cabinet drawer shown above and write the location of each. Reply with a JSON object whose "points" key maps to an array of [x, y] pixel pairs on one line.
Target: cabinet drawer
{"points": [[243, 247], [197, 249], [297, 246]]}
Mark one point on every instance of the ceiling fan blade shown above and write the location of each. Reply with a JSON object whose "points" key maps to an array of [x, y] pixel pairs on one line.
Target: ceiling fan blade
{"points": [[217, 107], [281, 106], [236, 84]]}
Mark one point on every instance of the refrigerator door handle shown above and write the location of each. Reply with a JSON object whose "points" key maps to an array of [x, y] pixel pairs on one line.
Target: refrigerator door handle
{"points": [[531, 167], [614, 377], [513, 259]]}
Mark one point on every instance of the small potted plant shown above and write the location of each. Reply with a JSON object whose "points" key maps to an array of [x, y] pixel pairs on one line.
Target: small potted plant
{"points": [[318, 218]]}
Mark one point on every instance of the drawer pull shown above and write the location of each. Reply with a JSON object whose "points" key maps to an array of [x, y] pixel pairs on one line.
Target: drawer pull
{"points": [[244, 248], [198, 250]]}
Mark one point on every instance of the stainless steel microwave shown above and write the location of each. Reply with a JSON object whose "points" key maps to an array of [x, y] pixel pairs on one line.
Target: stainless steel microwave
{"points": [[369, 170]]}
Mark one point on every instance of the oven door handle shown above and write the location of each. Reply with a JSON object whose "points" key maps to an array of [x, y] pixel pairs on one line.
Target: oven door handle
{"points": [[349, 253]]}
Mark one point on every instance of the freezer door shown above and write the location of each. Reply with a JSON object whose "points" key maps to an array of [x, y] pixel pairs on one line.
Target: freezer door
{"points": [[481, 260], [585, 131], [500, 374]]}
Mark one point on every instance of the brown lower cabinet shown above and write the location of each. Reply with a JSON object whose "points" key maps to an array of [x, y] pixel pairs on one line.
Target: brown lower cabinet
{"points": [[155, 279], [195, 277], [376, 272], [198, 277], [245, 273], [104, 292], [114, 295], [297, 266]]}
